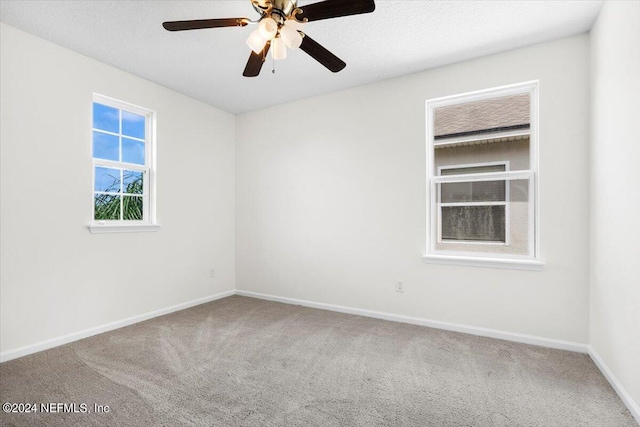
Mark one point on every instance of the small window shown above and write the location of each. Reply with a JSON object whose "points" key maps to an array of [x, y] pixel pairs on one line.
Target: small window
{"points": [[123, 174], [482, 171]]}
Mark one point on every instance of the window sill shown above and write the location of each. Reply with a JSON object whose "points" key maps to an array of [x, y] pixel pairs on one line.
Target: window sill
{"points": [[485, 262], [123, 228]]}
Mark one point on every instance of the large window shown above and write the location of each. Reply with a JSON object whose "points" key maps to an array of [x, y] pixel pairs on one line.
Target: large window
{"points": [[482, 174], [123, 175]]}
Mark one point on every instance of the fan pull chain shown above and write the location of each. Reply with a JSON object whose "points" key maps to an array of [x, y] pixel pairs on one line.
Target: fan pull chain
{"points": [[273, 65]]}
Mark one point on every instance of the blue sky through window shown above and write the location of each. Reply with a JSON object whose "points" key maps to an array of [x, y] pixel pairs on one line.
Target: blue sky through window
{"points": [[105, 146], [132, 151], [124, 123], [106, 118], [132, 125]]}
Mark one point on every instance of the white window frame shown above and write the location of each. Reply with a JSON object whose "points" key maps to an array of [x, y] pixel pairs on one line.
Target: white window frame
{"points": [[487, 259], [148, 223], [507, 220]]}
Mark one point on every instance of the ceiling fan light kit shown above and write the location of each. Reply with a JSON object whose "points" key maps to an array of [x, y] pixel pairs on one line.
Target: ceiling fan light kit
{"points": [[291, 37], [256, 42], [279, 50], [280, 33], [268, 28], [280, 26]]}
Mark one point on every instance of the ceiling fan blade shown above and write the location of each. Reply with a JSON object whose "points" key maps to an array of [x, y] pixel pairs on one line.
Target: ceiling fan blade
{"points": [[254, 64], [335, 8], [197, 24], [322, 55]]}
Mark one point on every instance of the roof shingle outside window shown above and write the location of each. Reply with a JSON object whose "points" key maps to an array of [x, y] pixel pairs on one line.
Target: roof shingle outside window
{"points": [[481, 117]]}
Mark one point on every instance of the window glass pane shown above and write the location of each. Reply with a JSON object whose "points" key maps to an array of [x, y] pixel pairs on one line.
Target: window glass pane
{"points": [[107, 207], [520, 205], [132, 151], [132, 182], [107, 180], [484, 223], [106, 146], [480, 191], [133, 125], [515, 151], [465, 228], [106, 118], [132, 208]]}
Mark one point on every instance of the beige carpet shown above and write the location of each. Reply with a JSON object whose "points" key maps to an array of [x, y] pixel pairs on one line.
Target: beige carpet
{"points": [[246, 362]]}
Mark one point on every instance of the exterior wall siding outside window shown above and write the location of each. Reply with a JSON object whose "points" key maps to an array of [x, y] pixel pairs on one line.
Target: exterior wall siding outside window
{"points": [[482, 164], [123, 152]]}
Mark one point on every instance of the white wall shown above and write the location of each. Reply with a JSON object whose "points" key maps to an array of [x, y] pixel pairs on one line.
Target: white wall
{"points": [[330, 199], [615, 193], [56, 277]]}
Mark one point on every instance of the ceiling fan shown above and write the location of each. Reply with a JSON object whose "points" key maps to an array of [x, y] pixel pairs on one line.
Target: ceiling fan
{"points": [[280, 26]]}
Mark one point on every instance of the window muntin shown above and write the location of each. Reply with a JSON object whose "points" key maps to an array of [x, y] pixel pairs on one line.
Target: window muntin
{"points": [[122, 151], [481, 170]]}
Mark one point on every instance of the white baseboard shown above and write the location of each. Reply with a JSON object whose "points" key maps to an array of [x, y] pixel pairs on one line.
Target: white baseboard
{"points": [[75, 336], [626, 398], [473, 330]]}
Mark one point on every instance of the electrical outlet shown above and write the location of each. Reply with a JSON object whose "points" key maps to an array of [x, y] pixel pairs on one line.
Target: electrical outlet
{"points": [[212, 272], [400, 286]]}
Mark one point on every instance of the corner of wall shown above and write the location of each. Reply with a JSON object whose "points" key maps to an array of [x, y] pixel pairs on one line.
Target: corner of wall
{"points": [[614, 297]]}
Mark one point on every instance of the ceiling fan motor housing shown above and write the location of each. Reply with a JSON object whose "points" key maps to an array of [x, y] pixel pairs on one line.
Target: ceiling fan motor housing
{"points": [[280, 9]]}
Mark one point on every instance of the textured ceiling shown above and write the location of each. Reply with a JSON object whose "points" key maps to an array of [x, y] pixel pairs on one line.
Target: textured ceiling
{"points": [[400, 37]]}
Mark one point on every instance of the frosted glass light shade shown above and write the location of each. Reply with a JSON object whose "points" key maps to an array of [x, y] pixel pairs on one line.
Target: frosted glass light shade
{"points": [[268, 28], [278, 49], [256, 42], [290, 36], [292, 23]]}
